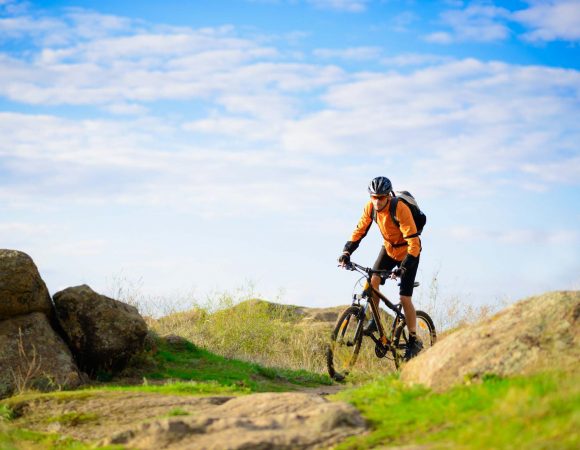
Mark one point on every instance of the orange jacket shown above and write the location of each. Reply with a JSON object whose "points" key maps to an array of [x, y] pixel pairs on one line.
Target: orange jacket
{"points": [[395, 243]]}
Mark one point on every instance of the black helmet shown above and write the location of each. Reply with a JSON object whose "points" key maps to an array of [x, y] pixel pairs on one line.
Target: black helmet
{"points": [[380, 186]]}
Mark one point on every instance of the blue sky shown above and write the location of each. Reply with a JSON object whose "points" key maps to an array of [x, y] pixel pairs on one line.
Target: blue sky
{"points": [[189, 147]]}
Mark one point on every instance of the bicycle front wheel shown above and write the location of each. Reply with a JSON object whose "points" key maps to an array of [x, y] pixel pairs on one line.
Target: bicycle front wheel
{"points": [[345, 341], [425, 332]]}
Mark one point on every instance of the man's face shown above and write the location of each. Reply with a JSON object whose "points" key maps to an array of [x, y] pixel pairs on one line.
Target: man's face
{"points": [[379, 201]]}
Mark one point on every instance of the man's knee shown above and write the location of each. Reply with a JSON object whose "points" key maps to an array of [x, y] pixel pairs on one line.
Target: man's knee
{"points": [[375, 281]]}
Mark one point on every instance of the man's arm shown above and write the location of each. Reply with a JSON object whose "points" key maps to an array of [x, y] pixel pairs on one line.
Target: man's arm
{"points": [[361, 230]]}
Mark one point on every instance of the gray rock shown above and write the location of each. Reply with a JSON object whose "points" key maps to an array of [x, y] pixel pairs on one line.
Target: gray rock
{"points": [[34, 356], [22, 290], [102, 333], [536, 334], [269, 421]]}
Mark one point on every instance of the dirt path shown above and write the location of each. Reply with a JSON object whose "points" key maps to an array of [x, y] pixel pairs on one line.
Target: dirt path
{"points": [[302, 419], [324, 390]]}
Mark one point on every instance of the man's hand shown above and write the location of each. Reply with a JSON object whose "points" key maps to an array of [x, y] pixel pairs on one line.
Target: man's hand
{"points": [[344, 259], [397, 273]]}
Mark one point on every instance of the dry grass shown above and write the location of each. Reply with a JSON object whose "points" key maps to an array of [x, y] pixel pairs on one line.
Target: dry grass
{"points": [[28, 367], [236, 325], [253, 330], [451, 312]]}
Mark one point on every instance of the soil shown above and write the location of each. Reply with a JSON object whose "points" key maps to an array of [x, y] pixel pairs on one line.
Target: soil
{"points": [[147, 420]]}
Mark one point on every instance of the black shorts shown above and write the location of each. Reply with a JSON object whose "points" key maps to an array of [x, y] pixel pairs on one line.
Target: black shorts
{"points": [[385, 262]]}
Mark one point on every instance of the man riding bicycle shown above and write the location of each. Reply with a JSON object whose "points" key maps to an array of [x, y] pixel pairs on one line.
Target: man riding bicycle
{"points": [[401, 248]]}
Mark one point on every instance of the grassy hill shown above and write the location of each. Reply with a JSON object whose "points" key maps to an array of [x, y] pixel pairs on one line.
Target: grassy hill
{"points": [[259, 346]]}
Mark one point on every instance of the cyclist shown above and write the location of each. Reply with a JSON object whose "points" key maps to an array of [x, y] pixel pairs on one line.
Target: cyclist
{"points": [[401, 248]]}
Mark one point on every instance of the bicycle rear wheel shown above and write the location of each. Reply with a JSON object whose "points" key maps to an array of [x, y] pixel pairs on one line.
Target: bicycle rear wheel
{"points": [[425, 332], [345, 341]]}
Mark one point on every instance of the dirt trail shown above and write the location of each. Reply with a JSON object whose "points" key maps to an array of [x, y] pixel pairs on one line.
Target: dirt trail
{"points": [[145, 420]]}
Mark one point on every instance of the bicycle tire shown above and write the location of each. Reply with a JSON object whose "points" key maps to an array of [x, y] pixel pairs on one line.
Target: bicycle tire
{"points": [[425, 331], [345, 342]]}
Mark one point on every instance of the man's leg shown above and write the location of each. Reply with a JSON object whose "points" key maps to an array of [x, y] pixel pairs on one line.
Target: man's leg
{"points": [[414, 345], [410, 314], [383, 262]]}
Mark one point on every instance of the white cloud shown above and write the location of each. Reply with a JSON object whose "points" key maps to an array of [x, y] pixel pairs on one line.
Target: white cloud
{"points": [[236, 127], [253, 113], [14, 6], [24, 229], [545, 20], [479, 23], [439, 37], [551, 20], [415, 59], [148, 66], [341, 5], [563, 171], [462, 135], [401, 22], [522, 236], [351, 54], [126, 109]]}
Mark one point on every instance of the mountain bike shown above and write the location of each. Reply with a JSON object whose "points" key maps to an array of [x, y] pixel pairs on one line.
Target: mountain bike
{"points": [[348, 333]]}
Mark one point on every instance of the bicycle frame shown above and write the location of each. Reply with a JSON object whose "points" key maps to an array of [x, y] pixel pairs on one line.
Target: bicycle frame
{"points": [[369, 294]]}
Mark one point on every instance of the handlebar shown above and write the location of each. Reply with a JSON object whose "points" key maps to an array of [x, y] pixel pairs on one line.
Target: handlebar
{"points": [[368, 271]]}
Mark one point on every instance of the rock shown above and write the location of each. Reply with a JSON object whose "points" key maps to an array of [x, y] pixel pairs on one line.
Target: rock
{"points": [[269, 421], [535, 334], [176, 342], [22, 291], [102, 333], [33, 355]]}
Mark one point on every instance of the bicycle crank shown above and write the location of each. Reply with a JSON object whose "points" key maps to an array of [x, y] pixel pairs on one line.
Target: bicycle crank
{"points": [[381, 350]]}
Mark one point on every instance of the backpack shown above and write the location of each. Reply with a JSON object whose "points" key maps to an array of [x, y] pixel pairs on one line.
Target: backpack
{"points": [[407, 198]]}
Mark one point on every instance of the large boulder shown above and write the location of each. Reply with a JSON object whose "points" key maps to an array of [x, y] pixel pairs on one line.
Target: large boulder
{"points": [[22, 291], [33, 356], [102, 333], [536, 334]]}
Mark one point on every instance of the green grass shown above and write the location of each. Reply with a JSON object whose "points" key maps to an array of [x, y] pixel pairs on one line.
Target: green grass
{"points": [[185, 370], [190, 363], [18, 439], [73, 418], [177, 412], [6, 413], [537, 412], [180, 388]]}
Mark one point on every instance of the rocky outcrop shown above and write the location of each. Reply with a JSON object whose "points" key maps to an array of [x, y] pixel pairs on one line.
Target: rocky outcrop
{"points": [[535, 334], [271, 420], [33, 356], [36, 342], [22, 291], [102, 333]]}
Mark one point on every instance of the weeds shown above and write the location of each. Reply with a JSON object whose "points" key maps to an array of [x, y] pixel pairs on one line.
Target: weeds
{"points": [[72, 419], [177, 412], [450, 312], [6, 413], [28, 366]]}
